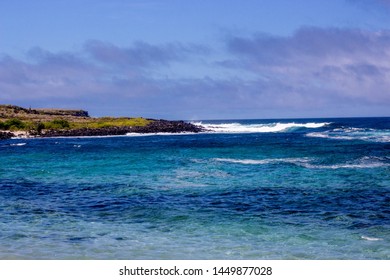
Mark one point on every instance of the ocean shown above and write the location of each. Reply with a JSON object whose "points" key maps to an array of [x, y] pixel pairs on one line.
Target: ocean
{"points": [[248, 189]]}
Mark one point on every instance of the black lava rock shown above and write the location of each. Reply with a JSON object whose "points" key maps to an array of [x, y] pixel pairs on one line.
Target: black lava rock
{"points": [[6, 135]]}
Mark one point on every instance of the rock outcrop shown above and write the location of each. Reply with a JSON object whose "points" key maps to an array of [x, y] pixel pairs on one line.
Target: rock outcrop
{"points": [[6, 135], [62, 122], [157, 126]]}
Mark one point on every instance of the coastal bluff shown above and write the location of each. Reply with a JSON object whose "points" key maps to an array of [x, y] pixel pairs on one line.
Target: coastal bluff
{"points": [[17, 121], [12, 111]]}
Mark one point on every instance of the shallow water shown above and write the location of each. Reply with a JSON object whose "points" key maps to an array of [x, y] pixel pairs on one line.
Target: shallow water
{"points": [[255, 189]]}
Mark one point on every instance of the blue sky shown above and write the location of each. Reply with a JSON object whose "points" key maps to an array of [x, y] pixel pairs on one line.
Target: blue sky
{"points": [[187, 59]]}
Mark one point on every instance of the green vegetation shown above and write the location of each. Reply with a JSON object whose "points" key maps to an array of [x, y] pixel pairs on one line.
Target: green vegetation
{"points": [[59, 124], [56, 124], [35, 121], [16, 124], [37, 127], [110, 122], [12, 124]]}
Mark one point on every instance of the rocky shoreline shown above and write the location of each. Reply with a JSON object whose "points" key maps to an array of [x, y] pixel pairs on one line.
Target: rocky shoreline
{"points": [[21, 122], [157, 126], [6, 135]]}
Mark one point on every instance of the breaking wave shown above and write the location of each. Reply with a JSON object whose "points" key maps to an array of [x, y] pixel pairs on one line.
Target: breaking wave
{"points": [[236, 127]]}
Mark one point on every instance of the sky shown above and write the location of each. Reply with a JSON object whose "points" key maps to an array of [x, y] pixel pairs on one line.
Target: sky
{"points": [[198, 59]]}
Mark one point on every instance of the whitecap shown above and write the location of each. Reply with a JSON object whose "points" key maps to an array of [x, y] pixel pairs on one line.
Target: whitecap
{"points": [[371, 238], [18, 144], [364, 162], [236, 127], [351, 133], [330, 135], [298, 161], [350, 166]]}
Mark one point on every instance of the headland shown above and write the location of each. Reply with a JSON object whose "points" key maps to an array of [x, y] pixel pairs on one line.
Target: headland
{"points": [[17, 121]]}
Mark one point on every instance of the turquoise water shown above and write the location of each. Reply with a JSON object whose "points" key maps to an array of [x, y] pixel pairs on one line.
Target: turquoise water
{"points": [[252, 189]]}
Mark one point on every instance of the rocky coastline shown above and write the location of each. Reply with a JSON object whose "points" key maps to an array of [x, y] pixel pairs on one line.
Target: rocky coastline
{"points": [[157, 126], [6, 135], [21, 122]]}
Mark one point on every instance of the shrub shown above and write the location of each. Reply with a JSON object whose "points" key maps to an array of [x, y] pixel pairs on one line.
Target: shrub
{"points": [[57, 124], [13, 124], [36, 127], [39, 126]]}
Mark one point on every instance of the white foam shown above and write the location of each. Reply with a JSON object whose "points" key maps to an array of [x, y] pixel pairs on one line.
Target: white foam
{"points": [[370, 238], [371, 135], [365, 162], [265, 161], [346, 165], [18, 144], [236, 127]]}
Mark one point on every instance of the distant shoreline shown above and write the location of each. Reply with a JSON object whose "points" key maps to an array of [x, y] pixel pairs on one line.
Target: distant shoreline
{"points": [[30, 123], [160, 126]]}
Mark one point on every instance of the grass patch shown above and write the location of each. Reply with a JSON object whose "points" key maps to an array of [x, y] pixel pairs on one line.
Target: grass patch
{"points": [[56, 124], [60, 124], [110, 122]]}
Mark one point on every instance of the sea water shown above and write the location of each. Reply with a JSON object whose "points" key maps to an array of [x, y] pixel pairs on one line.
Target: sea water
{"points": [[246, 189]]}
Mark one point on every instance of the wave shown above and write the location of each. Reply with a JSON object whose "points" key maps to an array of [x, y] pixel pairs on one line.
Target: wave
{"points": [[365, 162], [236, 127], [371, 238], [18, 144], [349, 166], [351, 133], [264, 161]]}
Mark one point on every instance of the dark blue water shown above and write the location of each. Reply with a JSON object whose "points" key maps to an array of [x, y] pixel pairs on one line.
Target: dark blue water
{"points": [[254, 189]]}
